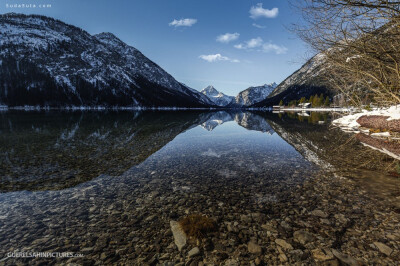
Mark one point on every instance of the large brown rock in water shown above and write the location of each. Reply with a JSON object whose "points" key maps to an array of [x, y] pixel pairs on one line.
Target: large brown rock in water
{"points": [[379, 122]]}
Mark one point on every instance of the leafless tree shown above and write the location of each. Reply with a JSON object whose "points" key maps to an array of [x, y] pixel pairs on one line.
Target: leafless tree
{"points": [[360, 41]]}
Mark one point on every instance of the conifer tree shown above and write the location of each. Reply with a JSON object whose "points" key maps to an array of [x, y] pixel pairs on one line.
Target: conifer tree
{"points": [[327, 102]]}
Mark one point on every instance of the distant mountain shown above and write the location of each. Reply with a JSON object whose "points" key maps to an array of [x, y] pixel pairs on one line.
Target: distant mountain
{"points": [[46, 62], [218, 98], [254, 94], [308, 80]]}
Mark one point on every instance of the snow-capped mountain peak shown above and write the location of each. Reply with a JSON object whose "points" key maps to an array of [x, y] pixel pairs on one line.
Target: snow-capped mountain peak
{"points": [[273, 85], [217, 97], [210, 91]]}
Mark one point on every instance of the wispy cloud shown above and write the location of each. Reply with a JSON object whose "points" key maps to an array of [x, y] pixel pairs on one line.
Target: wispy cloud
{"points": [[228, 37], [259, 45], [240, 46], [253, 43], [258, 11], [217, 57], [258, 26], [250, 44], [270, 47], [184, 22]]}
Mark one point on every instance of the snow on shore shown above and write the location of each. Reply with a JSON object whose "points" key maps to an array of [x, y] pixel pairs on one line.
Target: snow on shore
{"points": [[349, 122], [316, 109]]}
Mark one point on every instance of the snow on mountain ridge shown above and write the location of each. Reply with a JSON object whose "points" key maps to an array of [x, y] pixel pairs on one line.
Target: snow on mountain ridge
{"points": [[254, 94], [210, 91], [217, 97], [86, 69]]}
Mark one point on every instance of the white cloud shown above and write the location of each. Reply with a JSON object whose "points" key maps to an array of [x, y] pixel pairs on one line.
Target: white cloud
{"points": [[259, 45], [217, 57], [228, 37], [250, 44], [253, 43], [239, 46], [185, 22], [258, 11], [258, 26], [214, 57], [270, 47]]}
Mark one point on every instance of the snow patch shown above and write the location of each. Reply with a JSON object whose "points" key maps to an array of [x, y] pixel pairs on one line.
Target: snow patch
{"points": [[349, 122]]}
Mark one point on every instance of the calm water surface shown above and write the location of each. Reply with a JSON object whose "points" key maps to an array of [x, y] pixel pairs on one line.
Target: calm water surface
{"points": [[107, 184]]}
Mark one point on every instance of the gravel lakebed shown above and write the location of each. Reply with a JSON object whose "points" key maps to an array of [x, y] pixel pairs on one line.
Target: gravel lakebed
{"points": [[324, 220], [270, 207]]}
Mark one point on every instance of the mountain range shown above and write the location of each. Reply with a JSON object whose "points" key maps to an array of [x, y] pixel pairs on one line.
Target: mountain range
{"points": [[245, 98], [45, 62]]}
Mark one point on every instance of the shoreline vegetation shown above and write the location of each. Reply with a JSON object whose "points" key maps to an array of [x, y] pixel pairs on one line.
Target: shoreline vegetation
{"points": [[359, 41], [359, 44]]}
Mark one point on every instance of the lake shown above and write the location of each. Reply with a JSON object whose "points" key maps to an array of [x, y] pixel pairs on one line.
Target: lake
{"points": [[280, 188]]}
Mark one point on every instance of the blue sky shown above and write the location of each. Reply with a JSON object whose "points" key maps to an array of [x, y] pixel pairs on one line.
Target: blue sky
{"points": [[196, 48]]}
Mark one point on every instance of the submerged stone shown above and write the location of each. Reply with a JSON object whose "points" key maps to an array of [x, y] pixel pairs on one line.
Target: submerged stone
{"points": [[254, 248], [283, 244], [303, 237], [322, 254], [345, 259], [383, 248], [179, 236], [194, 252], [319, 213]]}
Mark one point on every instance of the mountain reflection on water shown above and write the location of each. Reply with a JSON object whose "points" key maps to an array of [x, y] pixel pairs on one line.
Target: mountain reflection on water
{"points": [[247, 120], [41, 151], [108, 184], [56, 150]]}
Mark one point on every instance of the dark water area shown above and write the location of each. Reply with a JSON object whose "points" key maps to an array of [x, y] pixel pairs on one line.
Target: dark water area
{"points": [[106, 185]]}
